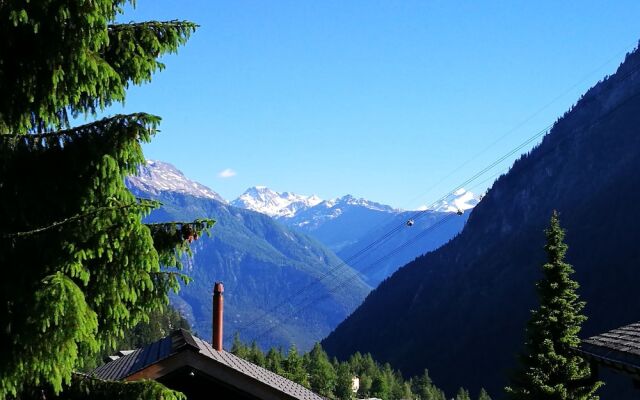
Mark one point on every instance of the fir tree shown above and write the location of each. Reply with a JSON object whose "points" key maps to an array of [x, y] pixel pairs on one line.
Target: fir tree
{"points": [[483, 395], [238, 348], [273, 361], [366, 382], [295, 369], [256, 355], [380, 386], [82, 270], [549, 369], [344, 382], [161, 322], [424, 388], [322, 376], [463, 394]]}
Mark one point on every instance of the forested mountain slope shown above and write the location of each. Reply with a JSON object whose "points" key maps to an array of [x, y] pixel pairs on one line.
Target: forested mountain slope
{"points": [[261, 262], [461, 310]]}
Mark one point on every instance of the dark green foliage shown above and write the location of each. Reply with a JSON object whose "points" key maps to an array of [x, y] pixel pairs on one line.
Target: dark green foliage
{"points": [[322, 376], [160, 323], [380, 387], [295, 368], [424, 388], [70, 57], [549, 368], [483, 395], [344, 382], [334, 379], [85, 387], [79, 266], [459, 310], [273, 361], [238, 348], [463, 394], [255, 355]]}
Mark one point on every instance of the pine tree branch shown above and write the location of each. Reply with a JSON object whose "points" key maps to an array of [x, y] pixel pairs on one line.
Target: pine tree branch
{"points": [[140, 120], [134, 48], [154, 25], [77, 217]]}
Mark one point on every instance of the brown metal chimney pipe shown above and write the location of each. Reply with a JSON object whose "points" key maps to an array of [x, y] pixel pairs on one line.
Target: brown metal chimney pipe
{"points": [[218, 306]]}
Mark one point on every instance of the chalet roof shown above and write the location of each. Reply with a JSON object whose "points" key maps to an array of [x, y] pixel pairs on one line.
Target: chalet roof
{"points": [[618, 348], [180, 341]]}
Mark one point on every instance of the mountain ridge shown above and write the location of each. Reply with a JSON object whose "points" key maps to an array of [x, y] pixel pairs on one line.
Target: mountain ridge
{"points": [[158, 176]]}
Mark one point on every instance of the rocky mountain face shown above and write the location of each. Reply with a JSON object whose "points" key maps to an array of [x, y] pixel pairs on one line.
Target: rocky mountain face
{"points": [[262, 263], [160, 177], [274, 204], [461, 310]]}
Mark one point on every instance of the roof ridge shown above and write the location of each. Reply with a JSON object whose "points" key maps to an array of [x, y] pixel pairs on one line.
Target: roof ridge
{"points": [[182, 338]]}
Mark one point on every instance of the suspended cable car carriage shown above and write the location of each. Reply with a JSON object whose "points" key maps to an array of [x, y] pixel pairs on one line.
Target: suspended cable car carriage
{"points": [[460, 212], [410, 222]]}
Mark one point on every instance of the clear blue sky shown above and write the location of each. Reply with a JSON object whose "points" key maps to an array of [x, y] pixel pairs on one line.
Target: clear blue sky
{"points": [[381, 100]]}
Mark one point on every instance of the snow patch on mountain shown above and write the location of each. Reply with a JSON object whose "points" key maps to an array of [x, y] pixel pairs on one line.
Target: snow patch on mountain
{"points": [[461, 199], [349, 200], [275, 204], [158, 176], [314, 217]]}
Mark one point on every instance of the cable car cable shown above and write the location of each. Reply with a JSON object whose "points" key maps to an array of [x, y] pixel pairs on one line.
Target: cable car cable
{"points": [[532, 138]]}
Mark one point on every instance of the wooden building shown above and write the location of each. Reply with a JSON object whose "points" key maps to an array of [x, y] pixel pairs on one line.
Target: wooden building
{"points": [[192, 366], [201, 370], [618, 349]]}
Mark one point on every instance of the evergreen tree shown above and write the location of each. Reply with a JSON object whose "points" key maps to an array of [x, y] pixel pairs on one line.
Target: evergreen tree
{"points": [[161, 322], [424, 388], [483, 395], [344, 382], [256, 355], [407, 393], [273, 361], [295, 369], [463, 394], [82, 270], [380, 386], [356, 363], [366, 382], [322, 376], [238, 348], [394, 381], [549, 369], [334, 379]]}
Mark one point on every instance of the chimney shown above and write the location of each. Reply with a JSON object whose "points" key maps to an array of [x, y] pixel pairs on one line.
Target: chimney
{"points": [[218, 305]]}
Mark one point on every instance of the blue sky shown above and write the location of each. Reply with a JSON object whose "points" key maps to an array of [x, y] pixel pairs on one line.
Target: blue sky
{"points": [[394, 101]]}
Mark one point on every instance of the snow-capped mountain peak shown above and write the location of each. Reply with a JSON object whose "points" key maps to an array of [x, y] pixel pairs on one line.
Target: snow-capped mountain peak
{"points": [[274, 204], [158, 176], [461, 199], [354, 201]]}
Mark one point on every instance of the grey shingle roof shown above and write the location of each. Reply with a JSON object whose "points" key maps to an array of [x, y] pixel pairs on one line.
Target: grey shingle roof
{"points": [[619, 348], [181, 340]]}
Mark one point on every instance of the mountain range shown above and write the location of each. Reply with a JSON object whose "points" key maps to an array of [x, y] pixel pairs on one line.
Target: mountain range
{"points": [[268, 246], [461, 310], [349, 225], [261, 262]]}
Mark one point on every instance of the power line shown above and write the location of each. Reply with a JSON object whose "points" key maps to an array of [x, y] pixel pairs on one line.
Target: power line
{"points": [[471, 179], [423, 233], [529, 118]]}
